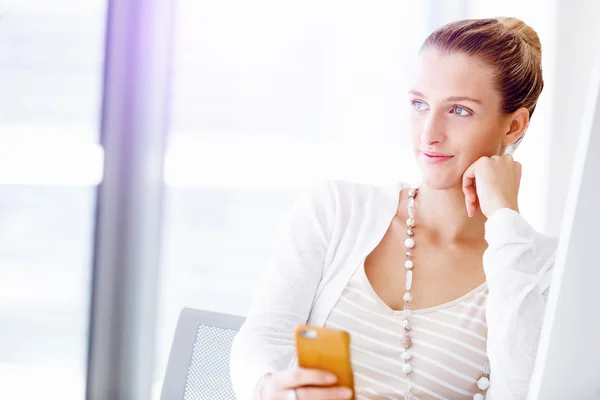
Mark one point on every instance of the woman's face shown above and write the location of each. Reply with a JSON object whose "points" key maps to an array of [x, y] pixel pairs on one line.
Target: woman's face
{"points": [[455, 117]]}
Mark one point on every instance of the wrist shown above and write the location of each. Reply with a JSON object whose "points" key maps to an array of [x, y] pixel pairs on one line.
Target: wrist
{"points": [[501, 212], [511, 206]]}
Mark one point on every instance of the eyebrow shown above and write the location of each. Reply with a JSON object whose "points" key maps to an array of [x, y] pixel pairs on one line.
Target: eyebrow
{"points": [[452, 98]]}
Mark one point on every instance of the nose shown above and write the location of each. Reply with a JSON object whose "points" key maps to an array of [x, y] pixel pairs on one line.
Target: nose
{"points": [[434, 129]]}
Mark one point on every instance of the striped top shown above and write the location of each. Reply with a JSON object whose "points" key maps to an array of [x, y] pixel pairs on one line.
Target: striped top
{"points": [[448, 343]]}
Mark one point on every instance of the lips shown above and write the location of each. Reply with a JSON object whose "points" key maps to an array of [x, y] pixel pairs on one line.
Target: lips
{"points": [[434, 157]]}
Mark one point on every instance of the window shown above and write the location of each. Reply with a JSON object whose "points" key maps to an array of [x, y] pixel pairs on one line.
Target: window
{"points": [[268, 98], [50, 79]]}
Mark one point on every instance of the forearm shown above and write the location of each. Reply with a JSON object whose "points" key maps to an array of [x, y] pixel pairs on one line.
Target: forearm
{"points": [[518, 264]]}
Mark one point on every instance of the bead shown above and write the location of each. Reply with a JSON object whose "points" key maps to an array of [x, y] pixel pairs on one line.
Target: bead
{"points": [[478, 396], [406, 324], [405, 355], [407, 368], [410, 222], [483, 383], [408, 264], [410, 232], [408, 284], [409, 253], [407, 342], [407, 311], [412, 192], [407, 297], [409, 243]]}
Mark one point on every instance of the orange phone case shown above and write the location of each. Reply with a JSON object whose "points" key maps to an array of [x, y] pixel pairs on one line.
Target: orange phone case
{"points": [[325, 349]]}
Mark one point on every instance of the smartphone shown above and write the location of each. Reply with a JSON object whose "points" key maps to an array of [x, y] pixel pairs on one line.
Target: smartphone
{"points": [[325, 349]]}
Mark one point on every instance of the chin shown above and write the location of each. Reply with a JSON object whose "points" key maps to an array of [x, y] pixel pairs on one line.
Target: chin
{"points": [[440, 179]]}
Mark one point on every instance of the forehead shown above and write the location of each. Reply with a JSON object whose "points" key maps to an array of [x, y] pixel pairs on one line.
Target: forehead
{"points": [[439, 76]]}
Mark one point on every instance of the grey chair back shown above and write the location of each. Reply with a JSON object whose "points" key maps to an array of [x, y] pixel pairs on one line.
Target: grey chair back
{"points": [[198, 367]]}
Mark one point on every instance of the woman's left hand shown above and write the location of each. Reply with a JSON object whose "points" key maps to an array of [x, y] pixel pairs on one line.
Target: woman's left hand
{"points": [[492, 183]]}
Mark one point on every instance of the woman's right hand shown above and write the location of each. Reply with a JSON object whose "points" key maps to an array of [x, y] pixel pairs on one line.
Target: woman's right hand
{"points": [[278, 385]]}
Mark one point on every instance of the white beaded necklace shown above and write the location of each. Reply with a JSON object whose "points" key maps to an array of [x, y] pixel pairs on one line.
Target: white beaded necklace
{"points": [[482, 383]]}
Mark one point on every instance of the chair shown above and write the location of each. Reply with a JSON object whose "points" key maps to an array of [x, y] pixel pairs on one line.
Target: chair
{"points": [[198, 367]]}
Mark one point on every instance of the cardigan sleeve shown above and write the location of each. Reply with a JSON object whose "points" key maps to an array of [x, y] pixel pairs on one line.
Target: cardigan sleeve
{"points": [[518, 265], [284, 299]]}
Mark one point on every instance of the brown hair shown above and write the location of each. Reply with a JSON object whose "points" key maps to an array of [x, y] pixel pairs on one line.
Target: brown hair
{"points": [[510, 47]]}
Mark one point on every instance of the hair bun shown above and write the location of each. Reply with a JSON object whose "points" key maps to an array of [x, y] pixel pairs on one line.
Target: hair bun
{"points": [[524, 31]]}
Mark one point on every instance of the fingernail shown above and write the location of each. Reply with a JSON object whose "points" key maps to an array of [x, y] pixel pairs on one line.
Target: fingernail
{"points": [[345, 392], [330, 378]]}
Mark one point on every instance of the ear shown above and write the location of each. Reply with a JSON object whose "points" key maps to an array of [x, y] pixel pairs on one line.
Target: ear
{"points": [[519, 120]]}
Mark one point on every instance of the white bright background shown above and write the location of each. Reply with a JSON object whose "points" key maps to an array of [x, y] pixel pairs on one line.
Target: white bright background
{"points": [[269, 96]]}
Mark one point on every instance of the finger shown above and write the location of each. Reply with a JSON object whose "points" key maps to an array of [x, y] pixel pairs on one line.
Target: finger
{"points": [[471, 208], [475, 207], [469, 187], [296, 377], [468, 184], [332, 393]]}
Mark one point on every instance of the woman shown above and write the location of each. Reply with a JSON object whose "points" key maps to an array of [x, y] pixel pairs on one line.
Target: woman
{"points": [[442, 287]]}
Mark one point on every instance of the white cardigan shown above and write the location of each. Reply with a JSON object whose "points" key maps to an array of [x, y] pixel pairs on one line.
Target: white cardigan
{"points": [[333, 228]]}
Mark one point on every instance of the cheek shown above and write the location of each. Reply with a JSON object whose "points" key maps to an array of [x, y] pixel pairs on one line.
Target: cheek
{"points": [[478, 141]]}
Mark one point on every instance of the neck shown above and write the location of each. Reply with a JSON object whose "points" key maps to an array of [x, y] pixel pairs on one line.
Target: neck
{"points": [[444, 214]]}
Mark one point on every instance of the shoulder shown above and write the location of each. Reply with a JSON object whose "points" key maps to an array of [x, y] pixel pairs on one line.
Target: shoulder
{"points": [[338, 207]]}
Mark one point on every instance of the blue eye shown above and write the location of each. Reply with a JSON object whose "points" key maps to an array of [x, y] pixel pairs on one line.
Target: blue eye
{"points": [[460, 111], [418, 105]]}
